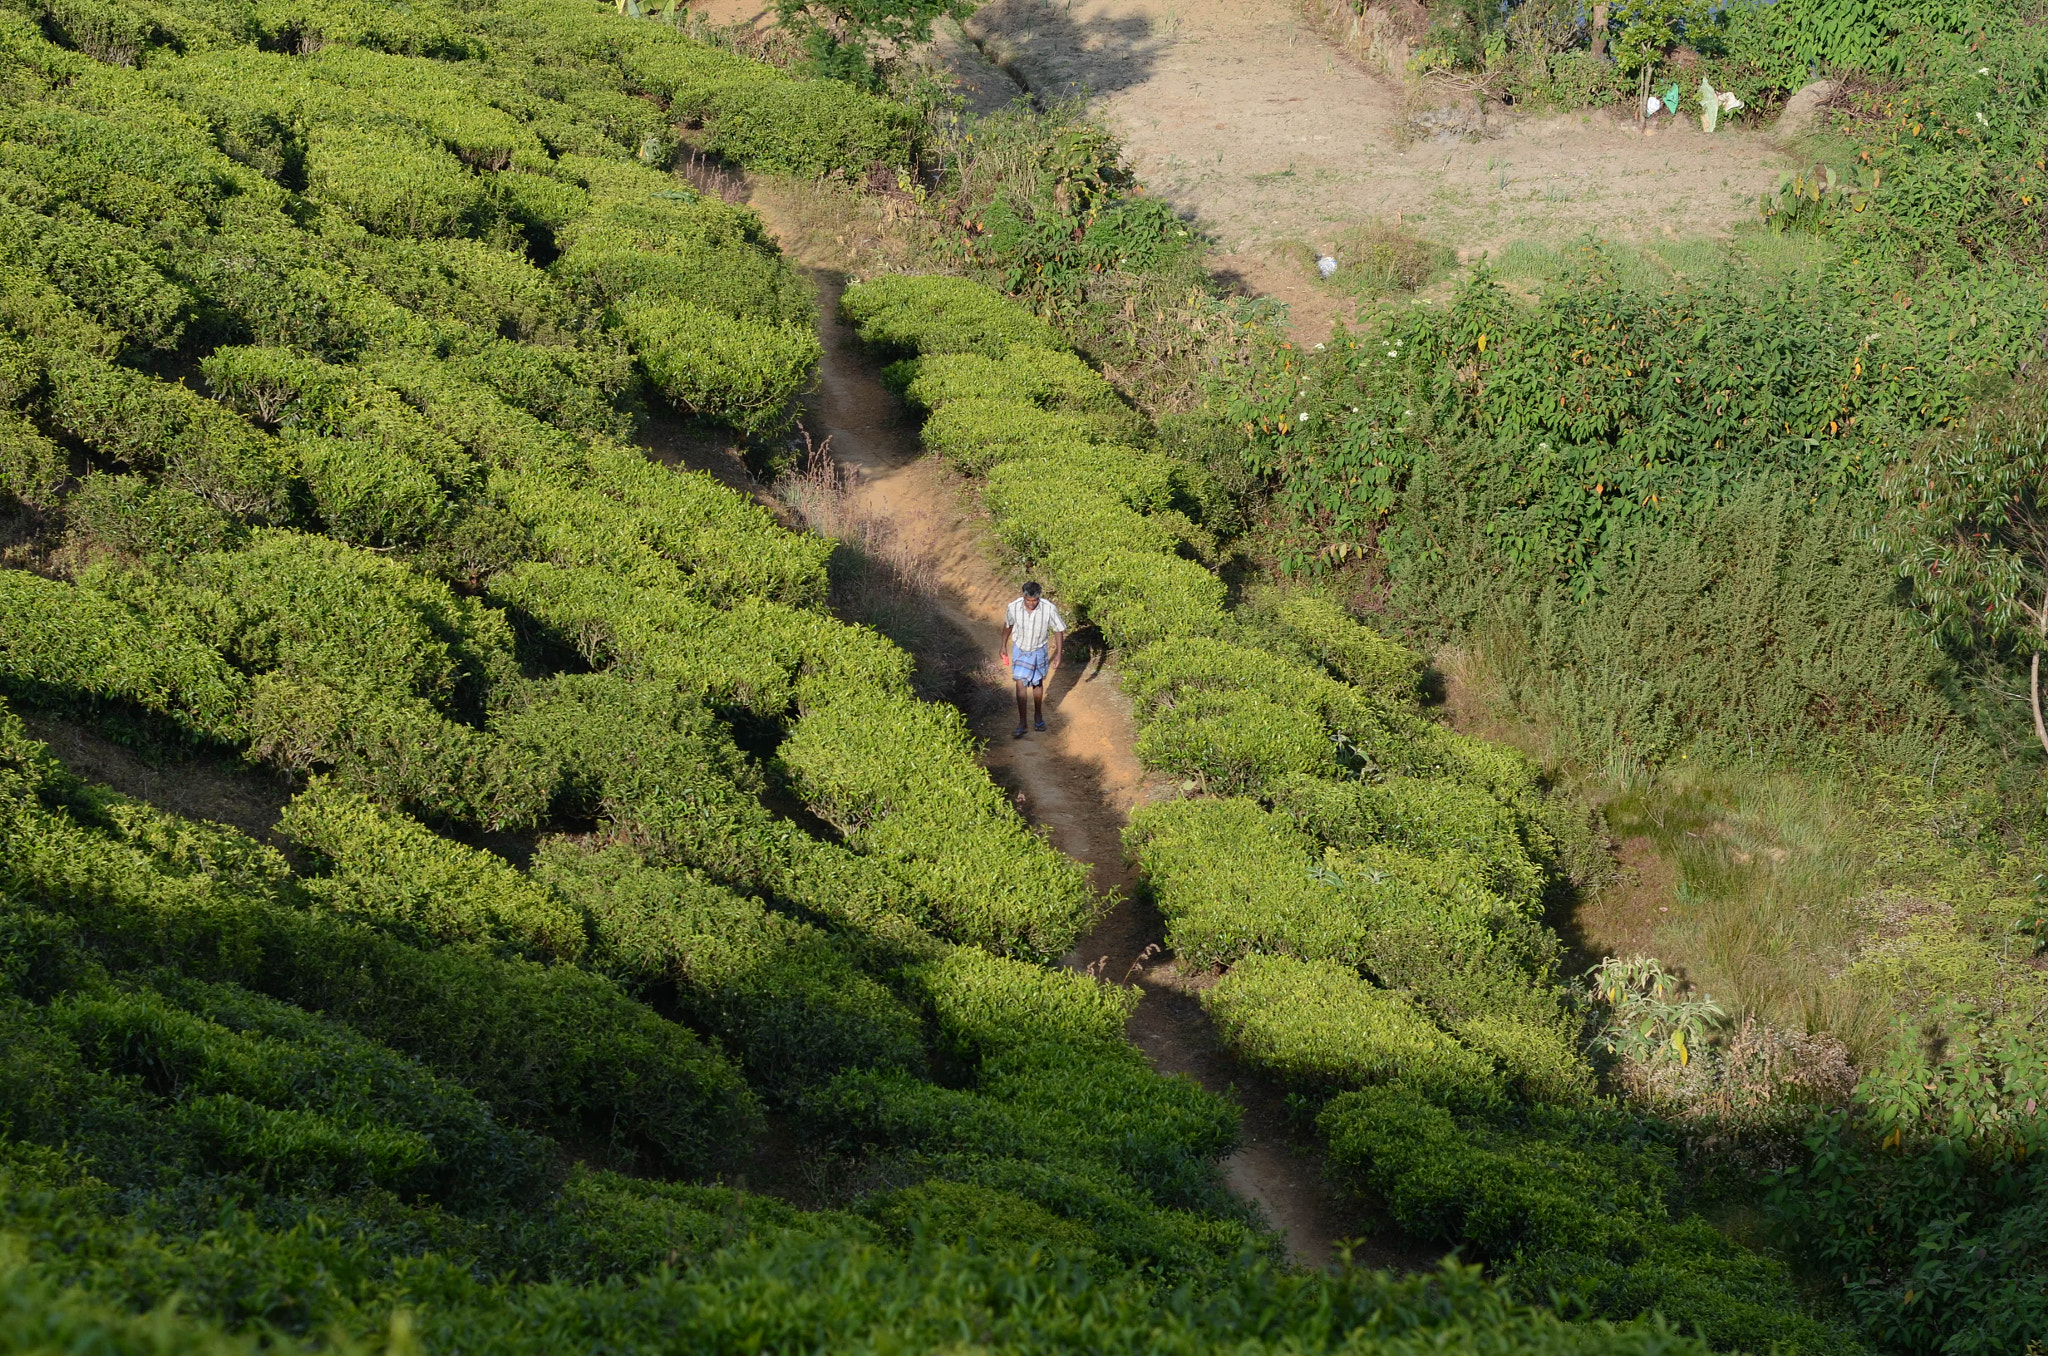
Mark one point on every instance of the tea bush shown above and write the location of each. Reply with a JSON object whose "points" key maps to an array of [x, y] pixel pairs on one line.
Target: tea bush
{"points": [[743, 372], [898, 778], [905, 316], [551, 1048], [782, 995], [1318, 1025], [1578, 1203], [384, 867]]}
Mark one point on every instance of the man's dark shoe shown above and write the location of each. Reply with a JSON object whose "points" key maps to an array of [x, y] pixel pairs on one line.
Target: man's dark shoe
{"points": [[1039, 726], [1018, 733]]}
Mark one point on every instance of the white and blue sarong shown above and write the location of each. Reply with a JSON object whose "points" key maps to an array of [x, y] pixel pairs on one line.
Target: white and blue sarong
{"points": [[1028, 666]]}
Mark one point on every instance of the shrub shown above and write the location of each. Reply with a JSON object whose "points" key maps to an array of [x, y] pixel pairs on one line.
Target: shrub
{"points": [[1320, 1026], [975, 434], [1190, 667], [551, 1048], [392, 184], [1234, 742], [811, 128], [986, 1004], [33, 469], [403, 876], [1050, 378], [898, 778], [104, 269], [367, 494], [780, 994], [314, 608], [129, 516], [146, 424], [1577, 1205], [253, 1085], [1431, 817], [747, 373], [69, 644], [701, 253], [1353, 652], [1497, 1195], [905, 316]]}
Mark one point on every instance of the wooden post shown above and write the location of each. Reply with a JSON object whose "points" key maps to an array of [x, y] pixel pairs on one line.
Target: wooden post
{"points": [[1600, 28]]}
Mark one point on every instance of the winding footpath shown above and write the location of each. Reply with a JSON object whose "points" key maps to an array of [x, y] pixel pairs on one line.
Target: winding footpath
{"points": [[1079, 781]]}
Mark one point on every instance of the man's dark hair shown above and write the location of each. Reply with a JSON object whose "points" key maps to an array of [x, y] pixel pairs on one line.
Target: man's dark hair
{"points": [[1031, 588]]}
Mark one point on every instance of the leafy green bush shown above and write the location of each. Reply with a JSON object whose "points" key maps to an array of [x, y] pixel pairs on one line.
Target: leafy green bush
{"points": [[899, 779], [230, 1081], [781, 995], [1235, 742], [1350, 650], [129, 516], [975, 434], [32, 468], [104, 269], [665, 245], [1430, 816], [67, 644], [551, 1048], [1051, 378], [985, 1004], [393, 185], [400, 874], [812, 128], [1578, 1205], [907, 316], [148, 424], [745, 372], [1320, 1026]]}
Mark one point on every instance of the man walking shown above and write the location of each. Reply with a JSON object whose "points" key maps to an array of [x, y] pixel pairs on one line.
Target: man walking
{"points": [[1028, 624]]}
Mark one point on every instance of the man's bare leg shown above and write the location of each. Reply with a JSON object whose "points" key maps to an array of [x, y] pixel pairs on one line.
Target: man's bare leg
{"points": [[1019, 685]]}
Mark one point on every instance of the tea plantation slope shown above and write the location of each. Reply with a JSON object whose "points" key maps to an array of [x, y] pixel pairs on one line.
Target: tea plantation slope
{"points": [[1368, 879], [335, 1165]]}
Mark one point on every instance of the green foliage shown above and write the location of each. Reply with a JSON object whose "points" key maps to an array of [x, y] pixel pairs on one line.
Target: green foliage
{"points": [[906, 316], [898, 778], [1429, 816], [663, 244], [62, 644], [1320, 1026], [551, 1048], [387, 868], [1927, 1198], [1233, 742], [1579, 1204], [1609, 408], [32, 468], [1963, 521], [129, 516], [745, 372], [783, 996], [392, 185]]}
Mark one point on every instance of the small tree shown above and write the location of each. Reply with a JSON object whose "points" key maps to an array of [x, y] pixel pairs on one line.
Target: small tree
{"points": [[840, 34], [1966, 519]]}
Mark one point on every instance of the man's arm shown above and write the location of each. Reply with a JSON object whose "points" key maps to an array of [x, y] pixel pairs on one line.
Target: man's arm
{"points": [[1059, 644], [1007, 628]]}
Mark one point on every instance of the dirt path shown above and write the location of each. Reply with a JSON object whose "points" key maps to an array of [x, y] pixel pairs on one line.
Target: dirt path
{"points": [[1080, 780]]}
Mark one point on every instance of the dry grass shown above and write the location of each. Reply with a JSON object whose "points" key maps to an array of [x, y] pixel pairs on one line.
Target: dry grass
{"points": [[1770, 874], [1379, 258], [880, 578]]}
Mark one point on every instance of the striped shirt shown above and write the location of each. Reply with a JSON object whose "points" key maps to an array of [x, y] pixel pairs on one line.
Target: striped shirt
{"points": [[1029, 625]]}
